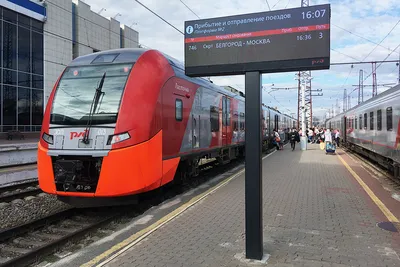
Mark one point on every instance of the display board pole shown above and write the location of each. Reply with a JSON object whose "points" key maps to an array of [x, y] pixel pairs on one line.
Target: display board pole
{"points": [[253, 174], [303, 137]]}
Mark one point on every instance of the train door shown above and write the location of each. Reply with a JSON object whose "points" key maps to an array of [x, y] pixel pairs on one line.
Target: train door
{"points": [[196, 122], [225, 117], [344, 128], [235, 127], [276, 124]]}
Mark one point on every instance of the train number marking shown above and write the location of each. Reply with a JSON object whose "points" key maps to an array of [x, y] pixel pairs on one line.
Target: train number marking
{"points": [[59, 132], [101, 132]]}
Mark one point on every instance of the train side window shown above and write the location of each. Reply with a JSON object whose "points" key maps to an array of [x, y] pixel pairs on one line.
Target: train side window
{"points": [[241, 121], [235, 120], [214, 119], [178, 109], [356, 124], [371, 120], [379, 120], [389, 119], [365, 120], [228, 112], [360, 122]]}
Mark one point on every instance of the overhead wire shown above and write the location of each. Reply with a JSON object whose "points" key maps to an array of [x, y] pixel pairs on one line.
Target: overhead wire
{"points": [[383, 39], [160, 17], [268, 5], [189, 9], [276, 3], [368, 40]]}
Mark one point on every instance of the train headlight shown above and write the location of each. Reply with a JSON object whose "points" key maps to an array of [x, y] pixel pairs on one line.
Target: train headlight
{"points": [[47, 138], [113, 139]]}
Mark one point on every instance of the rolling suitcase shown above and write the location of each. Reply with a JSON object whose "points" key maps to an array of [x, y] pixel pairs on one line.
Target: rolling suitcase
{"points": [[330, 147]]}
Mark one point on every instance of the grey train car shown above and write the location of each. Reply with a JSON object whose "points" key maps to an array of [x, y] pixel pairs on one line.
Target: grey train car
{"points": [[373, 129], [274, 119]]}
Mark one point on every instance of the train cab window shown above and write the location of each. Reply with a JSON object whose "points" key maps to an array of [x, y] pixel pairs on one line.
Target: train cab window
{"points": [[178, 110], [214, 119], [360, 122], [389, 119], [365, 121], [371, 120], [355, 124], [379, 120]]}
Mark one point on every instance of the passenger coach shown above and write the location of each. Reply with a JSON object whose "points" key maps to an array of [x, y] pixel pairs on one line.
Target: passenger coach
{"points": [[373, 128]]}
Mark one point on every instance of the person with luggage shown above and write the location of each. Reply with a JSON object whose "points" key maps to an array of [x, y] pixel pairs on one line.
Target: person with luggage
{"points": [[329, 145], [276, 139]]}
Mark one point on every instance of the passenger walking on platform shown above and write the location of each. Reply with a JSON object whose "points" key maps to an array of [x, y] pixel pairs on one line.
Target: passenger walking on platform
{"points": [[337, 137], [310, 135], [294, 137], [322, 134]]}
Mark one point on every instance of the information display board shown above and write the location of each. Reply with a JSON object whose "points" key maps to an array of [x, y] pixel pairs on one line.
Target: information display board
{"points": [[275, 41]]}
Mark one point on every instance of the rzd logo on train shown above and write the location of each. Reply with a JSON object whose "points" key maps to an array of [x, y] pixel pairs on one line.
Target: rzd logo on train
{"points": [[76, 135]]}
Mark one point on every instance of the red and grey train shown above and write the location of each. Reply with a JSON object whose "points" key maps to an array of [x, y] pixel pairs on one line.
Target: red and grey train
{"points": [[373, 128], [127, 121]]}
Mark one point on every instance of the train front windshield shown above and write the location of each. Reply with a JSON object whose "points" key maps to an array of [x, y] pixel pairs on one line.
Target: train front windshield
{"points": [[75, 98]]}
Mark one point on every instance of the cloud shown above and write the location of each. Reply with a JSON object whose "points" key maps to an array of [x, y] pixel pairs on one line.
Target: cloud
{"points": [[370, 19]]}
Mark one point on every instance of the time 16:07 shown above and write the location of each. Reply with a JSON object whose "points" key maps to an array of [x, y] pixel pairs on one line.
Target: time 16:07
{"points": [[319, 13]]}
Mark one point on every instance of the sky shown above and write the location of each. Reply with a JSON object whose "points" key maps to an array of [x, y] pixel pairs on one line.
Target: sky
{"points": [[359, 32]]}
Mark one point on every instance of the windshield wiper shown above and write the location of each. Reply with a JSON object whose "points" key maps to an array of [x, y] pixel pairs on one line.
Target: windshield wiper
{"points": [[98, 93]]}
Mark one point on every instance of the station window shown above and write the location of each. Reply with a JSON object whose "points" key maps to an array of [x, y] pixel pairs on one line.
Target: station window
{"points": [[360, 122], [389, 119], [356, 125], [214, 119], [178, 109], [371, 120], [379, 120]]}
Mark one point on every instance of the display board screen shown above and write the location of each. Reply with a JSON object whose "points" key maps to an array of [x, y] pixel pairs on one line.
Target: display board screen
{"points": [[274, 41]]}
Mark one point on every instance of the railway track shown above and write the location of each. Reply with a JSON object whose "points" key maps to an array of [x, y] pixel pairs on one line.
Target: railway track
{"points": [[24, 244], [19, 191]]}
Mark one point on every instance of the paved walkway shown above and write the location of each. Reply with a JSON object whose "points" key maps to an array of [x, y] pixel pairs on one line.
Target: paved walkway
{"points": [[315, 214]]}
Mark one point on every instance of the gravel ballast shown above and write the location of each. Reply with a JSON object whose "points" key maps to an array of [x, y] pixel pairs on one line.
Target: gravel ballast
{"points": [[26, 210]]}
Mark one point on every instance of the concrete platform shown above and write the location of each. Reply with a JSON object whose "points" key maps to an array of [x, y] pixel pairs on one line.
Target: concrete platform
{"points": [[319, 210], [15, 152], [17, 174]]}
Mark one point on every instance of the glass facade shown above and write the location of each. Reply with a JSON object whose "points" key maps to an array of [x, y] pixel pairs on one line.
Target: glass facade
{"points": [[21, 72]]}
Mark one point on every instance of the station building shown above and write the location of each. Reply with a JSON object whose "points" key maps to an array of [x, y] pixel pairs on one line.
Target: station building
{"points": [[39, 39]]}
